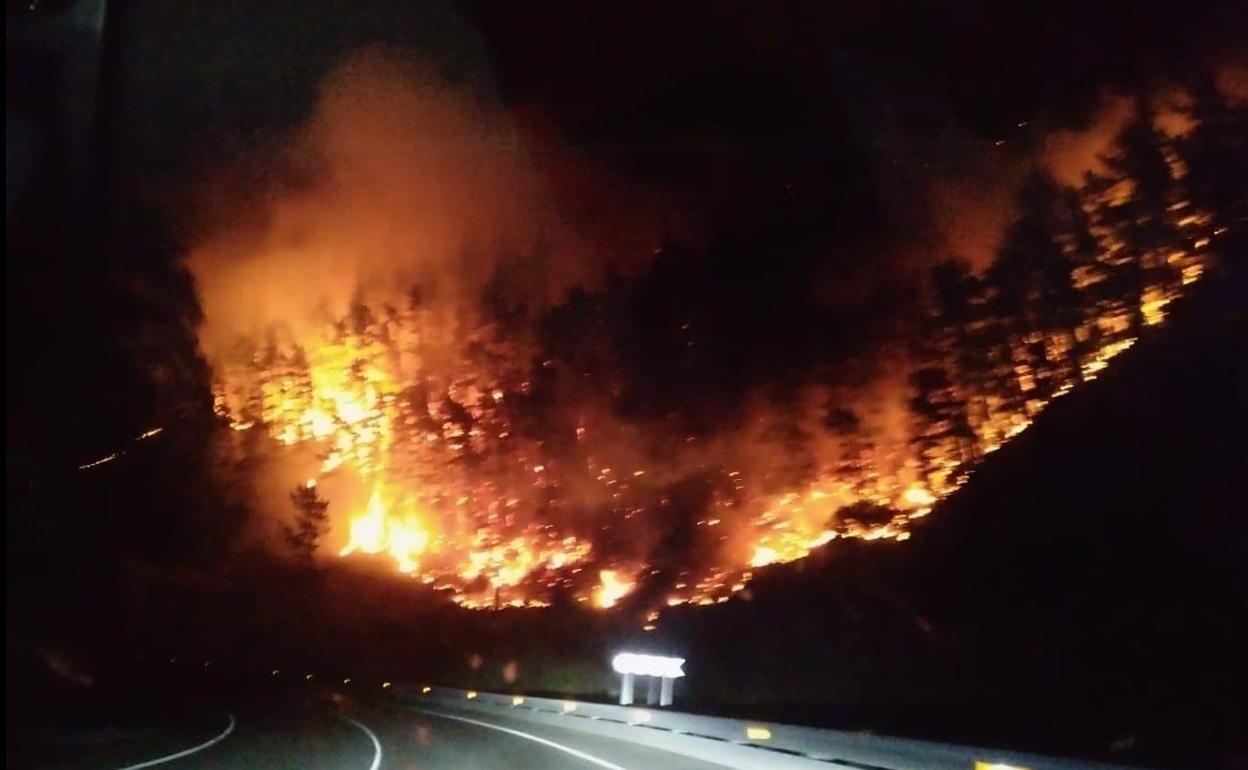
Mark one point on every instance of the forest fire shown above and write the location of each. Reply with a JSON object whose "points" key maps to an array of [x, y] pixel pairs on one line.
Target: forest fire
{"points": [[454, 487], [455, 441]]}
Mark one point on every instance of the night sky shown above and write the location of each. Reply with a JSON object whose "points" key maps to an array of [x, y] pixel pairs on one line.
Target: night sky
{"points": [[710, 99]]}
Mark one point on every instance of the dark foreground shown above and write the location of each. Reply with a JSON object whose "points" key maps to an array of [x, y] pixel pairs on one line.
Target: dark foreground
{"points": [[341, 733]]}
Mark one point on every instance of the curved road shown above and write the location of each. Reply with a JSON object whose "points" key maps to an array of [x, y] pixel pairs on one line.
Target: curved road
{"points": [[394, 737]]}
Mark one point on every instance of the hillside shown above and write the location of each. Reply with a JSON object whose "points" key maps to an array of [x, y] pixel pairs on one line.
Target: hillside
{"points": [[1084, 584]]}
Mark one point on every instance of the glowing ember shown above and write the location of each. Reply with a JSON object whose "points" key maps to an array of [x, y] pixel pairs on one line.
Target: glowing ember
{"points": [[108, 458], [763, 555], [611, 589], [105, 459], [376, 531], [918, 496]]}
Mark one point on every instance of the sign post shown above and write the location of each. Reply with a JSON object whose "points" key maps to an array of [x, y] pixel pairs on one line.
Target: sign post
{"points": [[626, 690], [630, 665]]}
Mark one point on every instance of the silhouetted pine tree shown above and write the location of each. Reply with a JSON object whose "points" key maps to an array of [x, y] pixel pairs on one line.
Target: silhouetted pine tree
{"points": [[311, 522]]}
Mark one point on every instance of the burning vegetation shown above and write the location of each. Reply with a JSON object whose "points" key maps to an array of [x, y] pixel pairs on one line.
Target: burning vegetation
{"points": [[469, 421]]}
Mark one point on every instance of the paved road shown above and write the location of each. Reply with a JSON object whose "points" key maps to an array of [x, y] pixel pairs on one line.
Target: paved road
{"points": [[353, 736]]}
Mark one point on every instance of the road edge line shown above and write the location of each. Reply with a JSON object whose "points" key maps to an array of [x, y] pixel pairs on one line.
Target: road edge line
{"points": [[185, 752], [371, 736], [529, 736]]}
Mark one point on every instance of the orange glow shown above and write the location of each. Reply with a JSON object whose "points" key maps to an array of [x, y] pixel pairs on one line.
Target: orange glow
{"points": [[412, 410], [377, 531], [918, 497], [611, 589], [105, 459], [764, 555]]}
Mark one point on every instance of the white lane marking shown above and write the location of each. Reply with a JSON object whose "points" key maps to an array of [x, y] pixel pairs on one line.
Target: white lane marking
{"points": [[528, 736], [371, 736], [187, 752]]}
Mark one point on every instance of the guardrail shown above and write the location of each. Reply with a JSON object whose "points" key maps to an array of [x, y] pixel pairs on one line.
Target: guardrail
{"points": [[735, 743]]}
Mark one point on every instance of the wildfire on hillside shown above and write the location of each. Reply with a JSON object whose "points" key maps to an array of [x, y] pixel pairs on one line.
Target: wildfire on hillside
{"points": [[451, 443], [458, 495]]}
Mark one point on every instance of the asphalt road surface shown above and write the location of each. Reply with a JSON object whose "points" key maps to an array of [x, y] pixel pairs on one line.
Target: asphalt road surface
{"points": [[396, 737]]}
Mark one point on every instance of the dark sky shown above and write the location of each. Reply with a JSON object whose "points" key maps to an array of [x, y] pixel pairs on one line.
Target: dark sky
{"points": [[632, 80], [857, 113]]}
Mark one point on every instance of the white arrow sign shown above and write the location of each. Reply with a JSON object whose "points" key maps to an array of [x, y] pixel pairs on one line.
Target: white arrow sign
{"points": [[648, 665]]}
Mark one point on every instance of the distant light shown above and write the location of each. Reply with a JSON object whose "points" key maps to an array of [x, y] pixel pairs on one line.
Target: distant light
{"points": [[275, 672], [568, 706], [997, 766], [307, 676], [385, 684], [648, 665], [347, 680], [471, 694], [517, 701], [426, 690], [757, 733]]}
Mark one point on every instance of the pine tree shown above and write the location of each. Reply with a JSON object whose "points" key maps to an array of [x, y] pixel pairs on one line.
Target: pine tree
{"points": [[1034, 296], [311, 522], [1216, 155], [942, 432], [1133, 208]]}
